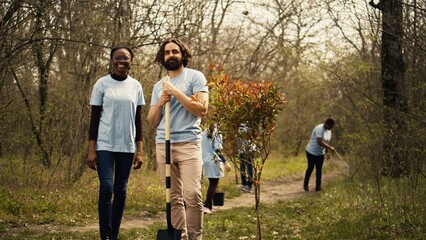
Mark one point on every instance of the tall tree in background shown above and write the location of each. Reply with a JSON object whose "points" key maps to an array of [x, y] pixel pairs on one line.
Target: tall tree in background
{"points": [[393, 76], [43, 52]]}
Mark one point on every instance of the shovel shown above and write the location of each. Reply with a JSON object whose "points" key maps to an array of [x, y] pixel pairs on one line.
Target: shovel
{"points": [[170, 233], [338, 155]]}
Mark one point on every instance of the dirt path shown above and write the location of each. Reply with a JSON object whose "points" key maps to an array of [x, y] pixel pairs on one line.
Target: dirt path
{"points": [[270, 192]]}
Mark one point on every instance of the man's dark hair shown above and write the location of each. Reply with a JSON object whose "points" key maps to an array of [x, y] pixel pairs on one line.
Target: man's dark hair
{"points": [[114, 49], [329, 121], [186, 52]]}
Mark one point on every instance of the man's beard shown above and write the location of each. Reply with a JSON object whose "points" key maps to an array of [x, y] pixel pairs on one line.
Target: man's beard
{"points": [[173, 64]]}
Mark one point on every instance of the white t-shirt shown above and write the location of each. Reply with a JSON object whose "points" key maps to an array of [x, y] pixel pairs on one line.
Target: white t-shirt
{"points": [[313, 147], [119, 100], [184, 126]]}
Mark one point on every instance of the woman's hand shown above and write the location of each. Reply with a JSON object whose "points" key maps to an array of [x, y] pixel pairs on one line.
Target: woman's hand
{"points": [[138, 160], [92, 160]]}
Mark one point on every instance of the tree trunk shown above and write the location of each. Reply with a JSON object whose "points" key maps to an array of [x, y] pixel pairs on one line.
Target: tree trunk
{"points": [[43, 63], [393, 74], [257, 202]]}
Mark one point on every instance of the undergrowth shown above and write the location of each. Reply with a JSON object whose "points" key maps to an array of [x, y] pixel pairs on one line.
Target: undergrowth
{"points": [[347, 209]]}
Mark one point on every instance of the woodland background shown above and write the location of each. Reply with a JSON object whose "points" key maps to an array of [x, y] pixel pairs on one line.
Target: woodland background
{"points": [[326, 55]]}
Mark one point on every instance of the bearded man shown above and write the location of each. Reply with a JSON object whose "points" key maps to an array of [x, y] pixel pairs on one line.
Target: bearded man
{"points": [[187, 93]]}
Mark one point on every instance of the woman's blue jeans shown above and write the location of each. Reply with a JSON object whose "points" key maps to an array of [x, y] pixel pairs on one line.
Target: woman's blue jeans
{"points": [[113, 172]]}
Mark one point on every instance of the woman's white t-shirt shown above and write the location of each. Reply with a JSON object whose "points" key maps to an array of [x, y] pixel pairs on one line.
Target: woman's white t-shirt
{"points": [[119, 100]]}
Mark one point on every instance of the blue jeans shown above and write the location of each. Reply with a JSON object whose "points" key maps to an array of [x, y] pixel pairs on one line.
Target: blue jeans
{"points": [[314, 162], [113, 172]]}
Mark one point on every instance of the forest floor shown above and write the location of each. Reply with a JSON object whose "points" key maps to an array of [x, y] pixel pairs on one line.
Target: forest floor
{"points": [[271, 191]]}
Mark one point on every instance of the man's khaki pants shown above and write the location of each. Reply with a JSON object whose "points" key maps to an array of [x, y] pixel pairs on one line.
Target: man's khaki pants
{"points": [[185, 191]]}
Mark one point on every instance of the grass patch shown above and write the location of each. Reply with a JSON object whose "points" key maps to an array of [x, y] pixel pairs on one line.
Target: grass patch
{"points": [[339, 212], [75, 205], [344, 210], [277, 168]]}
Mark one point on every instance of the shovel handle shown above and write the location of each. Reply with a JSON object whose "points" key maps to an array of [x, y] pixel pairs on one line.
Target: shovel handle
{"points": [[167, 114], [168, 178], [167, 138], [170, 233], [338, 155]]}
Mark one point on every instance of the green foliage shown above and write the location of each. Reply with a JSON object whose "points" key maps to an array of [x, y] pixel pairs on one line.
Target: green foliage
{"points": [[234, 102], [256, 106]]}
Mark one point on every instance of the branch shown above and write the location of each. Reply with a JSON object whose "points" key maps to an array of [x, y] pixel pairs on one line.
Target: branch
{"points": [[26, 101], [414, 6], [376, 5], [14, 7]]}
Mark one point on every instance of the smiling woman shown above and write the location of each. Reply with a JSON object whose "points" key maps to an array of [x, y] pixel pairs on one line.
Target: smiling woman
{"points": [[121, 59], [115, 138]]}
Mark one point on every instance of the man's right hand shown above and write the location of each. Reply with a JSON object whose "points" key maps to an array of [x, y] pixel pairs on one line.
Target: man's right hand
{"points": [[227, 167]]}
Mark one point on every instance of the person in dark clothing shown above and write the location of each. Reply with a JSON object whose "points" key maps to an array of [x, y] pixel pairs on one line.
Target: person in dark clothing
{"points": [[246, 156]]}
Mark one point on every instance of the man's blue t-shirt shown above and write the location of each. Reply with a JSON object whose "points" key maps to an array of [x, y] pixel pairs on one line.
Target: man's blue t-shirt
{"points": [[313, 147], [184, 126], [119, 100]]}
